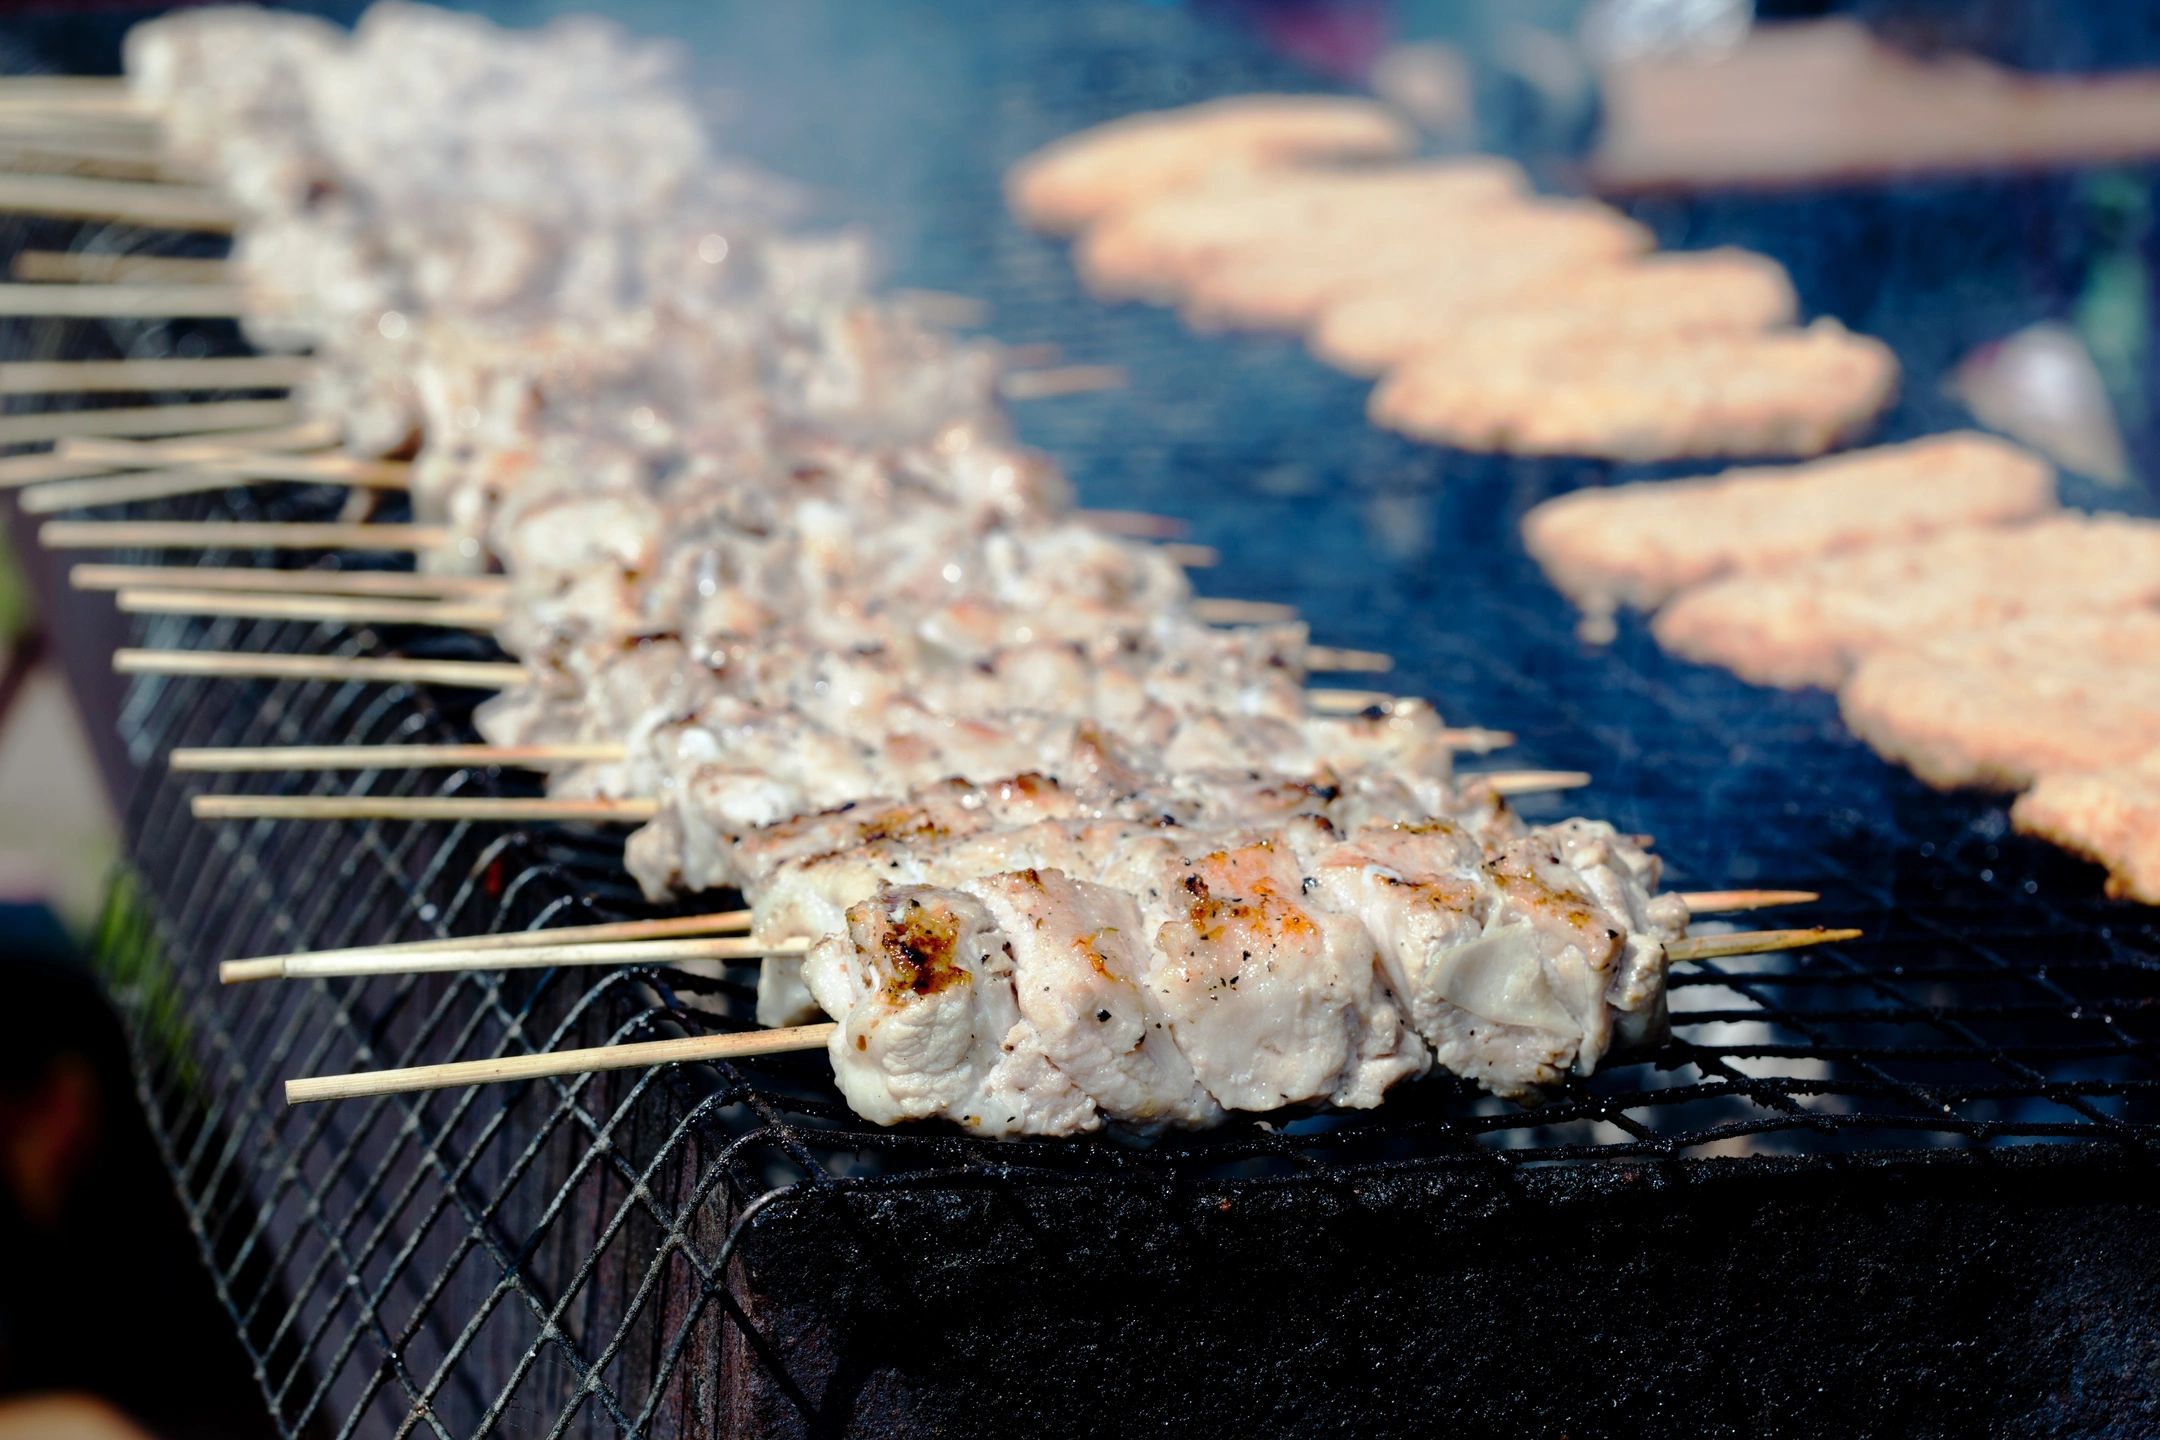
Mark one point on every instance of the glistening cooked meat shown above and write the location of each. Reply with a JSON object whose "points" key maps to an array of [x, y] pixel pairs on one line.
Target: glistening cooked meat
{"points": [[1809, 623], [2111, 816], [1781, 393], [1639, 545], [1082, 178], [1155, 250], [1516, 305], [1999, 707], [1287, 967]]}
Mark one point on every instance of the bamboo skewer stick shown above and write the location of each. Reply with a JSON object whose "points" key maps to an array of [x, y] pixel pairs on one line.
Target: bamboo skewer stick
{"points": [[1192, 557], [723, 922], [1753, 942], [70, 95], [1528, 782], [542, 956], [43, 151], [100, 267], [1061, 380], [334, 469], [96, 491], [87, 377], [121, 301], [243, 579], [330, 609], [234, 759], [216, 664], [209, 415], [752, 1043], [238, 534], [1707, 902], [1216, 610], [740, 1045], [493, 809], [161, 206], [1135, 524], [180, 449], [1331, 657]]}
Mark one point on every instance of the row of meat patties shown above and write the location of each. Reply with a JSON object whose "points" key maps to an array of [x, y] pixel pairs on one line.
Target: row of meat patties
{"points": [[1496, 319], [1053, 853], [1974, 629]]}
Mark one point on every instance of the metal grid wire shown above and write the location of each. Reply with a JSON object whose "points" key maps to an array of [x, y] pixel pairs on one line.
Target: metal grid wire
{"points": [[554, 1257]]}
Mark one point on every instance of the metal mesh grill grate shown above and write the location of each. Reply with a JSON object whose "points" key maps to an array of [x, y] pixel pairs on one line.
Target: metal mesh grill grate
{"points": [[554, 1257]]}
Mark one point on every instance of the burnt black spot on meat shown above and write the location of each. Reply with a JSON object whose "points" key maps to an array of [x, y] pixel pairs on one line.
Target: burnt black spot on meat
{"points": [[922, 951]]}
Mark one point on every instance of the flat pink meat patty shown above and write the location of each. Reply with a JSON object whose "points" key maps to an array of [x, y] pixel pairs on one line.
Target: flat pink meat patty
{"points": [[1783, 393], [1807, 624], [2109, 816], [1286, 281], [1468, 310], [1072, 182], [1640, 544], [1998, 707], [1153, 250]]}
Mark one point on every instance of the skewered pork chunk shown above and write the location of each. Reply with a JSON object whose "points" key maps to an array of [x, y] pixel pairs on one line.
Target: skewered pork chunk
{"points": [[1288, 967]]}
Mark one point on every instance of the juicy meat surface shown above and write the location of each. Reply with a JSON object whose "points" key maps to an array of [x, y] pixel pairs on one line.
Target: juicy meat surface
{"points": [[1074, 181], [1638, 545], [1154, 250], [1808, 623], [1504, 308], [2111, 816], [1999, 707], [1780, 393], [924, 982]]}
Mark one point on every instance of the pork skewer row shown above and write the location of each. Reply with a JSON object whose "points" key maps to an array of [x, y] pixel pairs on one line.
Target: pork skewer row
{"points": [[473, 952], [744, 1045], [321, 535], [410, 584], [486, 615], [613, 809]]}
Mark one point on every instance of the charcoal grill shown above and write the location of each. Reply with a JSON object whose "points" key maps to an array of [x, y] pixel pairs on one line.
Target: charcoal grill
{"points": [[1903, 1186]]}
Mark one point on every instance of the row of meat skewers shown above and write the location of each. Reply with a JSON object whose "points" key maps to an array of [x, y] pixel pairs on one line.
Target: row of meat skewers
{"points": [[1053, 851]]}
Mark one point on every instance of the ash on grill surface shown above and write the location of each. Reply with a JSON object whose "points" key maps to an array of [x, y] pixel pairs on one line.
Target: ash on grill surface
{"points": [[1902, 1186]]}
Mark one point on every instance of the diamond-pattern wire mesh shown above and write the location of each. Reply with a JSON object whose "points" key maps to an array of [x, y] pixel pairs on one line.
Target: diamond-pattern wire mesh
{"points": [[553, 1257]]}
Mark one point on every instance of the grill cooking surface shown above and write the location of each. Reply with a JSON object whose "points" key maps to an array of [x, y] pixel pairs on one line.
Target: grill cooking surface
{"points": [[553, 1256]]}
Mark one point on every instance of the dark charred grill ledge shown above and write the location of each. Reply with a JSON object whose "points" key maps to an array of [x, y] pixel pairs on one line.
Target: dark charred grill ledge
{"points": [[1903, 1187]]}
